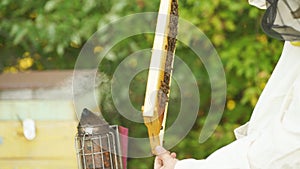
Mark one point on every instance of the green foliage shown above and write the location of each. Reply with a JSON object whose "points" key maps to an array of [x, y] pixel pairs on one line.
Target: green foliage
{"points": [[38, 35], [54, 29]]}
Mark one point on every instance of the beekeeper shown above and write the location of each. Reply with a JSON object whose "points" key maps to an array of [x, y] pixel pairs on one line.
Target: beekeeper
{"points": [[271, 139]]}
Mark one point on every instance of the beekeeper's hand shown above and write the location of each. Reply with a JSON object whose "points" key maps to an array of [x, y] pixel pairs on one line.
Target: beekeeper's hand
{"points": [[164, 159]]}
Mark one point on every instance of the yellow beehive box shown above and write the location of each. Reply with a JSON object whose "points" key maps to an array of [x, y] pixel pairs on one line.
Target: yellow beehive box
{"points": [[47, 99]]}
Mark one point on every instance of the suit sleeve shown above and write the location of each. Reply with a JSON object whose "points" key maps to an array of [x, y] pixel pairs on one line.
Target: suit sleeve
{"points": [[231, 156]]}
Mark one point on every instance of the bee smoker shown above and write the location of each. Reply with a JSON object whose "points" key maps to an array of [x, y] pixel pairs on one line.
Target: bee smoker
{"points": [[97, 143]]}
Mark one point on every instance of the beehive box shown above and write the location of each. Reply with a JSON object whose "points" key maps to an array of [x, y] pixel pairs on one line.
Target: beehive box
{"points": [[46, 98]]}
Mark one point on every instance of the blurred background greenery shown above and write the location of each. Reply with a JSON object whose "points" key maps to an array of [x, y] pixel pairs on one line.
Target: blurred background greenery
{"points": [[43, 35]]}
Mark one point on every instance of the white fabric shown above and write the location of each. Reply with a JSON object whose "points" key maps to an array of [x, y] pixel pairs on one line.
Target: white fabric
{"points": [[258, 3], [271, 139], [285, 13]]}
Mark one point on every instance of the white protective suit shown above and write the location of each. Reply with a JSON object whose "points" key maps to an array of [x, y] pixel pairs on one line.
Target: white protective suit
{"points": [[271, 139]]}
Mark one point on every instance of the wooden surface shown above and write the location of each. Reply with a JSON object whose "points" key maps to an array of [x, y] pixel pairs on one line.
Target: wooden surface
{"points": [[159, 76], [53, 146], [38, 164], [37, 109]]}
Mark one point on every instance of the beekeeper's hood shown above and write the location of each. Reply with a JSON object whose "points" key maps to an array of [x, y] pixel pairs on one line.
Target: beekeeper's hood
{"points": [[282, 18]]}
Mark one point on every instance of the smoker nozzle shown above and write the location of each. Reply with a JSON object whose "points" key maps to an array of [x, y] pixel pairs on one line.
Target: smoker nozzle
{"points": [[91, 124]]}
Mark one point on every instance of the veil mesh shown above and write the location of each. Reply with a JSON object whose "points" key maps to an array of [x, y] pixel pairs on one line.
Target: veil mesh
{"points": [[282, 19]]}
